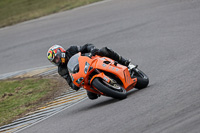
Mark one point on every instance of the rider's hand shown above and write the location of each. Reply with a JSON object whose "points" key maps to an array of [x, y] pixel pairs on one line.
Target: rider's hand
{"points": [[94, 51]]}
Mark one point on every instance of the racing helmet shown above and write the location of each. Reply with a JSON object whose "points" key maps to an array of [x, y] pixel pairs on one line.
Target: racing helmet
{"points": [[56, 55]]}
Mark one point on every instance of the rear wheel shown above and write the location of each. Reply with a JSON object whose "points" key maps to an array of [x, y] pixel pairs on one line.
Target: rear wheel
{"points": [[112, 90], [142, 79]]}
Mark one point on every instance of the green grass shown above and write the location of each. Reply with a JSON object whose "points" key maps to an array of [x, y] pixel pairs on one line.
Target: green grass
{"points": [[15, 11], [20, 96]]}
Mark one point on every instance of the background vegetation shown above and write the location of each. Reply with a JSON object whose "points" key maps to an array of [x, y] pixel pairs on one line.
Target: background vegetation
{"points": [[15, 11], [17, 97]]}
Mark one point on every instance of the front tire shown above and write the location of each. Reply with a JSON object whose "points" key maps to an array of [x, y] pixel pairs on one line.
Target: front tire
{"points": [[114, 91]]}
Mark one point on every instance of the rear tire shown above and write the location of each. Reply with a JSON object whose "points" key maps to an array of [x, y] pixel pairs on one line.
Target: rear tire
{"points": [[109, 90], [142, 79]]}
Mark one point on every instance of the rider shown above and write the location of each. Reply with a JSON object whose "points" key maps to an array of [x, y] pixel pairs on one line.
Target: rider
{"points": [[60, 57]]}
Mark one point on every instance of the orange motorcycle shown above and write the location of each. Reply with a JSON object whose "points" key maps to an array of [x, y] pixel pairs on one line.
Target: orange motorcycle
{"points": [[104, 76]]}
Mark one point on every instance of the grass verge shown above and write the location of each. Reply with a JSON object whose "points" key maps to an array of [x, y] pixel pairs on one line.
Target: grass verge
{"points": [[17, 97], [15, 11]]}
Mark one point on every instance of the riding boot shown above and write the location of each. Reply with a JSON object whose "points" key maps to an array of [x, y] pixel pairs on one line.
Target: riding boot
{"points": [[105, 51], [124, 61]]}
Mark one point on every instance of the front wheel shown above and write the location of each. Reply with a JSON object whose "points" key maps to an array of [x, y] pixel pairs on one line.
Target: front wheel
{"points": [[112, 90]]}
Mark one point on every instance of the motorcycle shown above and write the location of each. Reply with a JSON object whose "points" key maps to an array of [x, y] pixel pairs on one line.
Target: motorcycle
{"points": [[104, 76]]}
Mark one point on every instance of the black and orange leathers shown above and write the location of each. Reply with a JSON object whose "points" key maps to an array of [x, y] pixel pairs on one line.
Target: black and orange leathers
{"points": [[72, 50]]}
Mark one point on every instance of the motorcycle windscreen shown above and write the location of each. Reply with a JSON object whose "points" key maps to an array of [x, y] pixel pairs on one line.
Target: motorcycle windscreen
{"points": [[73, 64]]}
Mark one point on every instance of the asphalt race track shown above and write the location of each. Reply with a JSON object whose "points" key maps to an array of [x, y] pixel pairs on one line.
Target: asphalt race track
{"points": [[161, 36]]}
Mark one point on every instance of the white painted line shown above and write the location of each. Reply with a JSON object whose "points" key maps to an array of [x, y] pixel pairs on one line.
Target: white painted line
{"points": [[12, 74], [51, 115]]}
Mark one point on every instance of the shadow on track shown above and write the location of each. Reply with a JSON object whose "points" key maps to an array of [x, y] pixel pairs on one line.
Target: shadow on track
{"points": [[131, 92], [109, 101], [100, 104], [103, 101]]}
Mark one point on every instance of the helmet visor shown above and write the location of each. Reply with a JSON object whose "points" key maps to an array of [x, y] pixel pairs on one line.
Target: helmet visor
{"points": [[57, 60]]}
